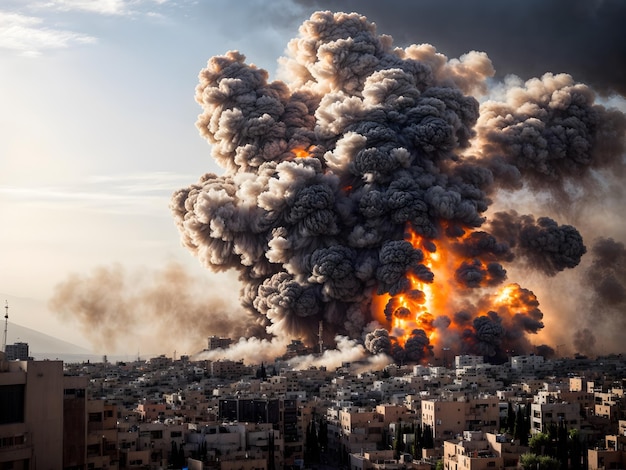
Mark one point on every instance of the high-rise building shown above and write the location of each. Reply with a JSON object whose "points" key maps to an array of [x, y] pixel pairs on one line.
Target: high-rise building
{"points": [[17, 352]]}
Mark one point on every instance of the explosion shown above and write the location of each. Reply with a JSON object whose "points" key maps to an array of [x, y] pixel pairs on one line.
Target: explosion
{"points": [[376, 189], [356, 192]]}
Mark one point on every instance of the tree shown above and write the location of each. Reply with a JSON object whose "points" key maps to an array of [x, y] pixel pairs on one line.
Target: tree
{"points": [[518, 426], [417, 441], [539, 443], [428, 440], [312, 448], [398, 443], [322, 435], [575, 448], [510, 419], [562, 445], [530, 461]]}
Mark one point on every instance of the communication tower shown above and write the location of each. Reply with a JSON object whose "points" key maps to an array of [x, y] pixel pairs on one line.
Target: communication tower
{"points": [[6, 324]]}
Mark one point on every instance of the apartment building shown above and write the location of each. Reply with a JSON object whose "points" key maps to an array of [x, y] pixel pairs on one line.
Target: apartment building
{"points": [[447, 418], [543, 415], [360, 429], [31, 414], [478, 451], [16, 352], [612, 455]]}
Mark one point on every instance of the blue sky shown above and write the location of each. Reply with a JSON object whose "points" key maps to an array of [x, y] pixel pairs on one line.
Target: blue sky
{"points": [[97, 129]]}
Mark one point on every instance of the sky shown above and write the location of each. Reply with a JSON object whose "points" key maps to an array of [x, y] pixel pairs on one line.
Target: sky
{"points": [[97, 123], [97, 132]]}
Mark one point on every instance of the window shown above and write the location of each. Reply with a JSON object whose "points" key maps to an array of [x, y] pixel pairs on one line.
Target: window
{"points": [[11, 403]]}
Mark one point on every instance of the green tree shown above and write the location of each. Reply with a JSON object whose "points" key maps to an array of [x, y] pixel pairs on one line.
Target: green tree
{"points": [[398, 443], [417, 441], [428, 440], [510, 419], [530, 461], [539, 443], [575, 449]]}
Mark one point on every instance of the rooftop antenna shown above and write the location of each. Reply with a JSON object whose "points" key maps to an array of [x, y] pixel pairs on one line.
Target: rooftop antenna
{"points": [[6, 324], [321, 339]]}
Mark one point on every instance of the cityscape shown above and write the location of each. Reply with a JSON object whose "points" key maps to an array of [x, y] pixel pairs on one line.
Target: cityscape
{"points": [[179, 412], [401, 254]]}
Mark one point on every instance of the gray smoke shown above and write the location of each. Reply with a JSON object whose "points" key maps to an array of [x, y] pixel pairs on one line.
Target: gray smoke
{"points": [[542, 243], [328, 174], [526, 38]]}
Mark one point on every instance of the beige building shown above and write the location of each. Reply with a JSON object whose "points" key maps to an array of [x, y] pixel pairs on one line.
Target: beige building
{"points": [[31, 414], [447, 418], [544, 414], [478, 451], [612, 456], [360, 429]]}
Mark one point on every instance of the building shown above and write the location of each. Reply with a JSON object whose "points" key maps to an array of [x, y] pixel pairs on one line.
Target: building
{"points": [[613, 455], [31, 414], [17, 352], [543, 415], [75, 422], [478, 451], [467, 361], [215, 342], [447, 418]]}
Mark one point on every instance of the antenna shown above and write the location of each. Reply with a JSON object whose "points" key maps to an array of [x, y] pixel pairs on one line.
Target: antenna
{"points": [[6, 324], [321, 339]]}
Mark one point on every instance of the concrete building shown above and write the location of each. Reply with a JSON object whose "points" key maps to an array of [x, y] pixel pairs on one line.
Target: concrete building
{"points": [[215, 342], [467, 361], [447, 418], [526, 363], [613, 455], [478, 451], [227, 369], [75, 422], [31, 414], [17, 352], [543, 415]]}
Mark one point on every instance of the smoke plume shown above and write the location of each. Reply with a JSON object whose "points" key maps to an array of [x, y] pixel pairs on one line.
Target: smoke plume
{"points": [[384, 192], [356, 191], [125, 311]]}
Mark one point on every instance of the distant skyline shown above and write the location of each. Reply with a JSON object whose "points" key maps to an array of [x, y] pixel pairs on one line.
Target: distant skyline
{"points": [[97, 128]]}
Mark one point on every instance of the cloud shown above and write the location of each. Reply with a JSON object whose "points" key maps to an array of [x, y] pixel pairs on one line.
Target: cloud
{"points": [[146, 193], [29, 36], [101, 7]]}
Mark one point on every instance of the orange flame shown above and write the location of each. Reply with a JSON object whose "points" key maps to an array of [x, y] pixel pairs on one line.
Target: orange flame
{"points": [[422, 302], [412, 310], [300, 152]]}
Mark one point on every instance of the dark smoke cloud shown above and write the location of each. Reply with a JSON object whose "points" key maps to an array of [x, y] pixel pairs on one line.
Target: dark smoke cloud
{"points": [[345, 180], [549, 132], [580, 37], [604, 301], [543, 243]]}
